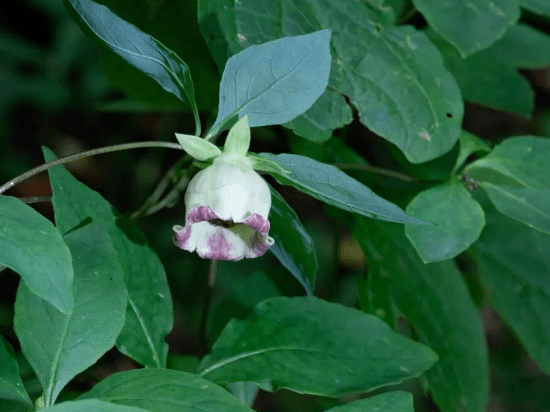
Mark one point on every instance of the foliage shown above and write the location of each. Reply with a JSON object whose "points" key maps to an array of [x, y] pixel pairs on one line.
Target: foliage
{"points": [[409, 231]]}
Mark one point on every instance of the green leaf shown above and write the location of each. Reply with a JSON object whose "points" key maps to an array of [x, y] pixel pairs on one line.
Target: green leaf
{"points": [[239, 301], [149, 314], [459, 221], [246, 392], [329, 112], [261, 164], [536, 6], [469, 144], [163, 390], [469, 26], [58, 345], [11, 385], [238, 138], [324, 349], [332, 186], [516, 175], [522, 47], [393, 75], [274, 82], [435, 300], [487, 81], [514, 263], [198, 147], [34, 248], [386, 402], [293, 245], [139, 50], [90, 405]]}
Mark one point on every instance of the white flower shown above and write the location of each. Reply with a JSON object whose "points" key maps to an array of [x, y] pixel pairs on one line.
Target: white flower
{"points": [[227, 212]]}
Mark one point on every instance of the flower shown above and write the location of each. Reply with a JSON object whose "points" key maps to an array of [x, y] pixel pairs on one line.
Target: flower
{"points": [[227, 207]]}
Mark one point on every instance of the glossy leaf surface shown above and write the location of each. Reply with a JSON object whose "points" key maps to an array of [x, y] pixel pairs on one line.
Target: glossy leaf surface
{"points": [[332, 186], [293, 245], [58, 345], [435, 300], [459, 220], [163, 390], [149, 313], [470, 26], [34, 248], [324, 348]]}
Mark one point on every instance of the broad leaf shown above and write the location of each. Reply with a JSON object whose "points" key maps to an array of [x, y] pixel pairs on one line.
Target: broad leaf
{"points": [[470, 26], [435, 300], [162, 390], [329, 112], [393, 75], [523, 47], [34, 248], [293, 245], [514, 263], [332, 186], [459, 221], [495, 84], [537, 6], [516, 175], [469, 144], [59, 346], [274, 82], [11, 385], [90, 405], [138, 49], [149, 313], [324, 349], [386, 402]]}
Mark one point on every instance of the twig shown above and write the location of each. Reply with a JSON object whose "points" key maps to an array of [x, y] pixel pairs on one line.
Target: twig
{"points": [[83, 155]]}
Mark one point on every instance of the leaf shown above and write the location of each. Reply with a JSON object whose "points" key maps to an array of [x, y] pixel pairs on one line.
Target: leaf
{"points": [[274, 82], [393, 75], [459, 221], [324, 349], [332, 186], [469, 26], [197, 147], [165, 391], [516, 175], [514, 263], [523, 47], [396, 401], [34, 248], [469, 144], [239, 301], [293, 245], [139, 50], [149, 314], [11, 385], [435, 300], [329, 112], [58, 345], [487, 81], [90, 405], [536, 6]]}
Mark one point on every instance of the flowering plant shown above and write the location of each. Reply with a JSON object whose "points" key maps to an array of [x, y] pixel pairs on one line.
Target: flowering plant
{"points": [[227, 203]]}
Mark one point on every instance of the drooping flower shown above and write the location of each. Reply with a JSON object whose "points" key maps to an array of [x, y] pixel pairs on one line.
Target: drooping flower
{"points": [[227, 203]]}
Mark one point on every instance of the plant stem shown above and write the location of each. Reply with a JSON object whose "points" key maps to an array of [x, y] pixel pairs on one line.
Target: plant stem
{"points": [[83, 155], [377, 170], [204, 346], [35, 199]]}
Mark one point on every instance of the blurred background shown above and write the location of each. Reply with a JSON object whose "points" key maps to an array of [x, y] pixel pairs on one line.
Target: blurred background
{"points": [[58, 89]]}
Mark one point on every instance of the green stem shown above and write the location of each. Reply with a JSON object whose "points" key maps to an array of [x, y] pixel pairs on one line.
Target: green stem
{"points": [[377, 170], [203, 335], [83, 155]]}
